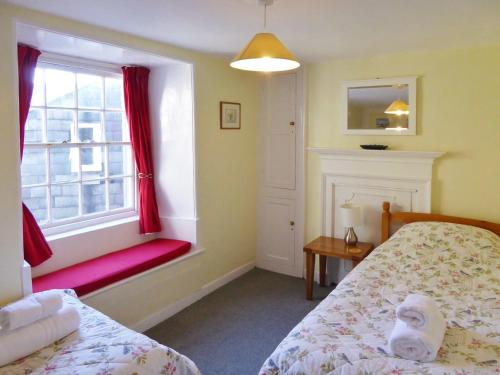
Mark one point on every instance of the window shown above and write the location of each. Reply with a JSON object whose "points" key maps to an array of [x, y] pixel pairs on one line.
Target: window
{"points": [[77, 164]]}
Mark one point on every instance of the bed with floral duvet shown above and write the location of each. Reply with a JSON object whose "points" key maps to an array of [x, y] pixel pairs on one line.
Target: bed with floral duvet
{"points": [[457, 265], [102, 346]]}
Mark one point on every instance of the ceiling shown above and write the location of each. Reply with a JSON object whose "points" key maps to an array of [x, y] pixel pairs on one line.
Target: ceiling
{"points": [[380, 95], [314, 30]]}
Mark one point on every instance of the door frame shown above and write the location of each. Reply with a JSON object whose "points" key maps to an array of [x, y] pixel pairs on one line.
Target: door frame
{"points": [[300, 170]]}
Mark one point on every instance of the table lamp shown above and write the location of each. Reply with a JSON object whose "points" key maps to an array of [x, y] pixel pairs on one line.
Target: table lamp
{"points": [[351, 216]]}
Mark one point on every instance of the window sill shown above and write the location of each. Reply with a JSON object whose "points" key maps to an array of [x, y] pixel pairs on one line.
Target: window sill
{"points": [[132, 217]]}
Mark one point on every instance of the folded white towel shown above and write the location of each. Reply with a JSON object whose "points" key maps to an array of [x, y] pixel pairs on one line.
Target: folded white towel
{"points": [[28, 339], [420, 312], [51, 301], [29, 309], [416, 345]]}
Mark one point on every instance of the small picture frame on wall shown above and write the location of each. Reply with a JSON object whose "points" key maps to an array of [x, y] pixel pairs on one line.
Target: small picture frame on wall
{"points": [[230, 115]]}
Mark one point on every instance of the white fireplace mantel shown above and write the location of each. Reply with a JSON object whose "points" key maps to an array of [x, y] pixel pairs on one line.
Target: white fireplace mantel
{"points": [[339, 153], [403, 178], [407, 165], [370, 177]]}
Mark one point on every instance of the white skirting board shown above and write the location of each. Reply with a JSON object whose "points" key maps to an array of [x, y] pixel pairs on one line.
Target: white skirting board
{"points": [[180, 305]]}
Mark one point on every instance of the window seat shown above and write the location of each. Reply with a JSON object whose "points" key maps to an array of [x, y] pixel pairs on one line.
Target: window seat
{"points": [[99, 272]]}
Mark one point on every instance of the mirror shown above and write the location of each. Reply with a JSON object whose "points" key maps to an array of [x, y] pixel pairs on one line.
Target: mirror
{"points": [[380, 107]]}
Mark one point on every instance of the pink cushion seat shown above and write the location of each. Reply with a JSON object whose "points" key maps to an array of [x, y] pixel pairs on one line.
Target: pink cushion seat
{"points": [[97, 273]]}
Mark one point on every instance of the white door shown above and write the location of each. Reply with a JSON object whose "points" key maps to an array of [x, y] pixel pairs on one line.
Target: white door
{"points": [[280, 161], [280, 132], [279, 235]]}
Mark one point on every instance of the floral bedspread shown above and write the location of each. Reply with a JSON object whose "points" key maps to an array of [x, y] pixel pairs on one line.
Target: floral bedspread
{"points": [[457, 265], [104, 347]]}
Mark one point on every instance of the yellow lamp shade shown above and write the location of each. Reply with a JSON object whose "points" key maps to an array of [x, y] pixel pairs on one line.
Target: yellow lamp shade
{"points": [[398, 107], [265, 53]]}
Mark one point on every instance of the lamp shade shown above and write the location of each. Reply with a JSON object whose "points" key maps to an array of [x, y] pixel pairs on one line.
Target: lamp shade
{"points": [[398, 107], [350, 215], [265, 53]]}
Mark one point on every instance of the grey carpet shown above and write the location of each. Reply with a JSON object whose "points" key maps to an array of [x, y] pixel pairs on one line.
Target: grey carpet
{"points": [[234, 329]]}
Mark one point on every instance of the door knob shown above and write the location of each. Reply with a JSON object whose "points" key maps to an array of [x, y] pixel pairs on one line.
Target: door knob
{"points": [[292, 223]]}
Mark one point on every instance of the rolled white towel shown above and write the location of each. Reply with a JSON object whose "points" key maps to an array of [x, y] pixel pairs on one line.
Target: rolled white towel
{"points": [[28, 339], [29, 309], [420, 312], [414, 344], [51, 301]]}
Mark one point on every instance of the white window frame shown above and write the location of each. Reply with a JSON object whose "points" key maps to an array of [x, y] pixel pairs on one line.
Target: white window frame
{"points": [[53, 227], [95, 166]]}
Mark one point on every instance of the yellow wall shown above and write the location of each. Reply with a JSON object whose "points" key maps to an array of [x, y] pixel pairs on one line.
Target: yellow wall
{"points": [[458, 112], [226, 172]]}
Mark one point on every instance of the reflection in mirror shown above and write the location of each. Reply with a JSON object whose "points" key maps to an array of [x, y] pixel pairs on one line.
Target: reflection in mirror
{"points": [[378, 107]]}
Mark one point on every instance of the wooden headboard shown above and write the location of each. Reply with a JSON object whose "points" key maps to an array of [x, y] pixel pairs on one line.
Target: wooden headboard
{"points": [[389, 217]]}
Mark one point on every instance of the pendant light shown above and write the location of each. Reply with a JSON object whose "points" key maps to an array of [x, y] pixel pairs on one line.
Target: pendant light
{"points": [[265, 52], [398, 108]]}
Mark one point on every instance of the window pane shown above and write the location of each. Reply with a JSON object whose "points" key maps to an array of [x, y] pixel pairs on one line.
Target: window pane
{"points": [[93, 197], [33, 167], [37, 97], [89, 126], [120, 193], [114, 93], [60, 88], [116, 127], [33, 132], [36, 200], [89, 90], [64, 201], [120, 160], [63, 164], [92, 159], [59, 125]]}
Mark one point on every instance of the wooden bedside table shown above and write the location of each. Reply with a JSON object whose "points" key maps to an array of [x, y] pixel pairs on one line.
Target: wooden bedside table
{"points": [[330, 247]]}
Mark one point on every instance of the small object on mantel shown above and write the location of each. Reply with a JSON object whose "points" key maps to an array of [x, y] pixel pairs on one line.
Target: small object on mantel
{"points": [[374, 147]]}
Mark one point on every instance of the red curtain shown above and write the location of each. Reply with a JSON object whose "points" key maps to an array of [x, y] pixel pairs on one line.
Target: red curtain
{"points": [[36, 248], [135, 85]]}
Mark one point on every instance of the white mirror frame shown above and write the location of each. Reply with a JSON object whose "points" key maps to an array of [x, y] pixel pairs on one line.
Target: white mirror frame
{"points": [[412, 102]]}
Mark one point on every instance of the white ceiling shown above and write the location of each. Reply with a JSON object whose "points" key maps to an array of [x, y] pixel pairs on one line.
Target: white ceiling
{"points": [[380, 95], [314, 30]]}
